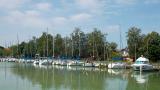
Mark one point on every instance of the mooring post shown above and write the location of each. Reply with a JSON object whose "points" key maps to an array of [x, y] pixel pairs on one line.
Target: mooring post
{"points": [[140, 69]]}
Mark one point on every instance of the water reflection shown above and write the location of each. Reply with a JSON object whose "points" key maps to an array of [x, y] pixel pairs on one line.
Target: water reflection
{"points": [[61, 77], [79, 78], [141, 78]]}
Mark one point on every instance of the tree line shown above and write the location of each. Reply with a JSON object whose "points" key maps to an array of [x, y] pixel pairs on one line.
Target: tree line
{"points": [[77, 45], [87, 45]]}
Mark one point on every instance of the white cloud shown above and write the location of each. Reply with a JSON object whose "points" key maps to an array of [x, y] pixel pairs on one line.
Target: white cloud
{"points": [[80, 17], [14, 17], [25, 19], [11, 4], [152, 1], [87, 3], [59, 21], [92, 6], [112, 29], [43, 6], [125, 2], [72, 20], [32, 13]]}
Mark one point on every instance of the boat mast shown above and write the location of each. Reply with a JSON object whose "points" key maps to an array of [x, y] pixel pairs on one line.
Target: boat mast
{"points": [[105, 46], [135, 51], [35, 43], [148, 46], [28, 48], [44, 48], [11, 49], [53, 45], [121, 42], [79, 44], [93, 44], [30, 45], [17, 46], [72, 44], [66, 46], [47, 43]]}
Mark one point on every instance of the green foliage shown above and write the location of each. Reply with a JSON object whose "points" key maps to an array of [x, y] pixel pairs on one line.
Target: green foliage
{"points": [[96, 44], [1, 51], [82, 45], [78, 44], [153, 46], [140, 44], [59, 45], [4, 51], [134, 40]]}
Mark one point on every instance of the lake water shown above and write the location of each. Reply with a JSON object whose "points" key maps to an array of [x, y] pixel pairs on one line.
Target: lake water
{"points": [[28, 77]]}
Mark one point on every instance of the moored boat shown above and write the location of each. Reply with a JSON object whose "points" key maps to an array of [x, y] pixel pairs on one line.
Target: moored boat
{"points": [[88, 64], [72, 63], [75, 63], [117, 65], [142, 64], [45, 62], [63, 63], [36, 62]]}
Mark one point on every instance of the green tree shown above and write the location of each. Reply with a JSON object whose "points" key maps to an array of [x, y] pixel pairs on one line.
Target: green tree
{"points": [[1, 51], [134, 41], [152, 46], [79, 43], [95, 44], [59, 46]]}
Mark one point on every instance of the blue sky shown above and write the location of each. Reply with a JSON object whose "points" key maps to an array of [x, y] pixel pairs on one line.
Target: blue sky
{"points": [[27, 18]]}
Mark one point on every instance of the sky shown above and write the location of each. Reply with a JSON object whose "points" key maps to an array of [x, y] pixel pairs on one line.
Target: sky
{"points": [[27, 18]]}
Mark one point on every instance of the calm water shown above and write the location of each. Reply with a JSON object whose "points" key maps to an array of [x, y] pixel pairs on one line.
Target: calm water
{"points": [[28, 77]]}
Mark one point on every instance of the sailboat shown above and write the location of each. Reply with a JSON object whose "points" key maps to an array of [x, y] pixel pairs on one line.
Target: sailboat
{"points": [[45, 61], [118, 65]]}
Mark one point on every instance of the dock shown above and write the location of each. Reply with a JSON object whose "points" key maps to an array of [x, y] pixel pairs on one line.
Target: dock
{"points": [[156, 66]]}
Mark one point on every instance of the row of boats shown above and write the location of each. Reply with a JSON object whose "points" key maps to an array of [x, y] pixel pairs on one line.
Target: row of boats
{"points": [[141, 64], [56, 62]]}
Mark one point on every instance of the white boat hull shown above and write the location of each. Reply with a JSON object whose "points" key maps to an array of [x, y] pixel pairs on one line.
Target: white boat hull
{"points": [[36, 62], [88, 65], [142, 64], [116, 66], [142, 67]]}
